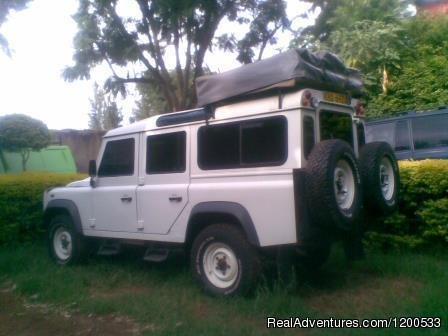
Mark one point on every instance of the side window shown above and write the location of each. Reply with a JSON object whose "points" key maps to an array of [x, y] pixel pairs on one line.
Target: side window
{"points": [[308, 135], [218, 146], [258, 142], [166, 153], [263, 141], [118, 158], [402, 136], [430, 131]]}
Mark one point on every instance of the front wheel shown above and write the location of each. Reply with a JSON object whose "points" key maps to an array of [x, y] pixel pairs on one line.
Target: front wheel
{"points": [[223, 261], [65, 244]]}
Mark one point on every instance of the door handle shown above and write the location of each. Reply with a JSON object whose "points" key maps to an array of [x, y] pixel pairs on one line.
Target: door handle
{"points": [[175, 198], [126, 199]]}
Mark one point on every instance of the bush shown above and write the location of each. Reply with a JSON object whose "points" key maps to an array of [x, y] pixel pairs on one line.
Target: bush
{"points": [[21, 203], [422, 217]]}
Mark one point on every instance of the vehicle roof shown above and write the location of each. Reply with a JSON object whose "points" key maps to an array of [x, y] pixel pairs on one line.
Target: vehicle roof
{"points": [[407, 115], [245, 108]]}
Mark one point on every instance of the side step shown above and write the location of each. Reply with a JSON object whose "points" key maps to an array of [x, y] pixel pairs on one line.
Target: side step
{"points": [[156, 255], [109, 248]]}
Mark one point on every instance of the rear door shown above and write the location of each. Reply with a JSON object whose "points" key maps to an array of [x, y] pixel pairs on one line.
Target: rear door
{"points": [[162, 193]]}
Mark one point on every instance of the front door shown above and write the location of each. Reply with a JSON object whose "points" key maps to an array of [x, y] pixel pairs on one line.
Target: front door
{"points": [[164, 180], [114, 197]]}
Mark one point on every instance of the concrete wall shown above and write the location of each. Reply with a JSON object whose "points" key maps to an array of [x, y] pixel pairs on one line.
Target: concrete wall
{"points": [[84, 145]]}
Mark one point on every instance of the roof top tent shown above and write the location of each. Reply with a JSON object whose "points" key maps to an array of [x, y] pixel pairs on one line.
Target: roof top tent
{"points": [[293, 69]]}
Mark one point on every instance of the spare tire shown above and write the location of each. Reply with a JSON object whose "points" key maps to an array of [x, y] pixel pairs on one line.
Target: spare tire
{"points": [[380, 177], [333, 185]]}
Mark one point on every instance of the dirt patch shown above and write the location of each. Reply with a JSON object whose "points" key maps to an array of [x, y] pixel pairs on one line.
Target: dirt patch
{"points": [[21, 317], [376, 294], [116, 292]]}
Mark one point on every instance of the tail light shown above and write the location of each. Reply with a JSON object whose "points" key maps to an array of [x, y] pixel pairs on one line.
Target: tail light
{"points": [[308, 100], [359, 109]]}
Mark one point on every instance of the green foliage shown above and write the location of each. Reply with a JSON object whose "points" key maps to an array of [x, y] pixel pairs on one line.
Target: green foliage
{"points": [[186, 28], [22, 134], [104, 113], [373, 48], [21, 203], [5, 7], [418, 84], [434, 214], [422, 218], [336, 15]]}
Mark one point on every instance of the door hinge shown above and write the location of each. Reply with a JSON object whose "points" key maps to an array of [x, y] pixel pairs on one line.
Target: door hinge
{"points": [[140, 225]]}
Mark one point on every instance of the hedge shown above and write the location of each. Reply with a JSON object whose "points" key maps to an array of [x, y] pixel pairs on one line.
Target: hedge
{"points": [[422, 217], [421, 220], [21, 203]]}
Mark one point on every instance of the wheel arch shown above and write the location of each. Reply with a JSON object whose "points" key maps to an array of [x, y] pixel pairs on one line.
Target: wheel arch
{"points": [[206, 213], [65, 207]]}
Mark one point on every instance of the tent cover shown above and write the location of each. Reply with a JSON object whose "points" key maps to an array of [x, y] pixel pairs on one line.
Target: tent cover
{"points": [[294, 68]]}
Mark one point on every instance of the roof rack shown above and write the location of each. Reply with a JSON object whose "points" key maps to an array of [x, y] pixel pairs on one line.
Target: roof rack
{"points": [[185, 117]]}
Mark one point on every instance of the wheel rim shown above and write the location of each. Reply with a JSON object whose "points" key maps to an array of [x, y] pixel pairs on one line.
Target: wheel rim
{"points": [[62, 243], [344, 185], [220, 265], [387, 178]]}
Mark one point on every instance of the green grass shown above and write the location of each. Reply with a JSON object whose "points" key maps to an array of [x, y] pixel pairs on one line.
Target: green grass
{"points": [[165, 297]]}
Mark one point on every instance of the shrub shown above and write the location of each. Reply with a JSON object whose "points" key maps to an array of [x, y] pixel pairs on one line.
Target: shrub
{"points": [[422, 217], [21, 203]]}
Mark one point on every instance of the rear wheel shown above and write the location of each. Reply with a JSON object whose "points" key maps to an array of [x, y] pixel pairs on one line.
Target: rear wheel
{"points": [[333, 185], [223, 261], [380, 177]]}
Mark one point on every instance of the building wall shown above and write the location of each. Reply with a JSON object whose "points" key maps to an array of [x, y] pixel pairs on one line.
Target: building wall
{"points": [[432, 7], [84, 145]]}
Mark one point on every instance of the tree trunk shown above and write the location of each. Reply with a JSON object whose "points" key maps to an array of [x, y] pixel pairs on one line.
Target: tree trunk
{"points": [[25, 156], [385, 81]]}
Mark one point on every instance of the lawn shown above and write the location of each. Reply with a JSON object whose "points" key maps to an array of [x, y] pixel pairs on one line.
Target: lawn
{"points": [[162, 299]]}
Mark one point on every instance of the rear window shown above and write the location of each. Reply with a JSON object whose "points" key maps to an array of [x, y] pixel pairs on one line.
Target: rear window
{"points": [[430, 131], [257, 142], [336, 125]]}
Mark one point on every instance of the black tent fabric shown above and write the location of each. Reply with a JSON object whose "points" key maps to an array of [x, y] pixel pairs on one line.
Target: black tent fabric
{"points": [[302, 68]]}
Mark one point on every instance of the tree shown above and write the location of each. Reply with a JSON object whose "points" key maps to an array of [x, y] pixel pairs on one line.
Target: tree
{"points": [[371, 46], [151, 103], [181, 31], [22, 134], [104, 113], [5, 8], [420, 82], [344, 14]]}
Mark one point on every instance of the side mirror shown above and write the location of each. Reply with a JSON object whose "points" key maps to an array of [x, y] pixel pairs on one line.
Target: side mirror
{"points": [[92, 172], [92, 168]]}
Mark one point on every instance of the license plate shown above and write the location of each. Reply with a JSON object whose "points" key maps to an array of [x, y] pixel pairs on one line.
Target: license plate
{"points": [[338, 98]]}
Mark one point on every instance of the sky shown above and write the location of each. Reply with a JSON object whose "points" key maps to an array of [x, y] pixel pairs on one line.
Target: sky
{"points": [[41, 39]]}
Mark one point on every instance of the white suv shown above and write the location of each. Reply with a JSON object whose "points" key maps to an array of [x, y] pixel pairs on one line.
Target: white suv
{"points": [[226, 184]]}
